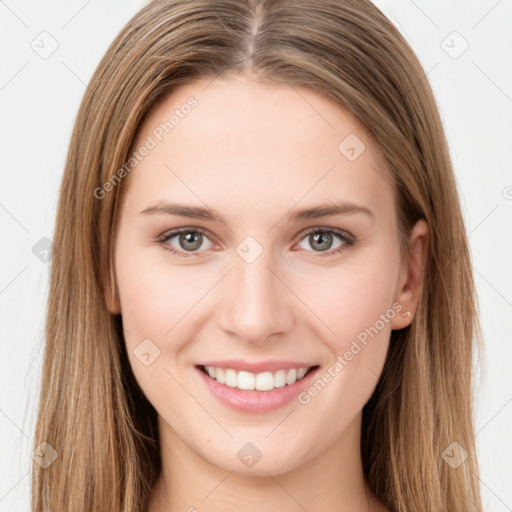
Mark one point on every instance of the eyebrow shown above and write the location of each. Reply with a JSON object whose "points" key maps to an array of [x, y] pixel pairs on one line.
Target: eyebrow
{"points": [[197, 212]]}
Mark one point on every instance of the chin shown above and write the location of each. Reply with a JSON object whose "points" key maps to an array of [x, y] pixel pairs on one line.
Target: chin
{"points": [[258, 459]]}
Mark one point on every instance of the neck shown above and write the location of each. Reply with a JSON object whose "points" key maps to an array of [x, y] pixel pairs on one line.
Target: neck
{"points": [[333, 480]]}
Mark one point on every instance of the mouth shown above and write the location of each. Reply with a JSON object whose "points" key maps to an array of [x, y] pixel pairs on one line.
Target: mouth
{"points": [[263, 381], [260, 392]]}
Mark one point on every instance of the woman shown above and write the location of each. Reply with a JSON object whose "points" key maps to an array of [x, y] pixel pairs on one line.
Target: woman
{"points": [[261, 291]]}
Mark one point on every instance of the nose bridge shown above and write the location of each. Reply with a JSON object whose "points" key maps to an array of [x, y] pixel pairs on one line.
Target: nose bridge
{"points": [[256, 305]]}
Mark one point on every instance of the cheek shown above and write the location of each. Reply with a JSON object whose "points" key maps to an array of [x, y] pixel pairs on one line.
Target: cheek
{"points": [[350, 298], [153, 295], [160, 302], [359, 312], [362, 301], [152, 304], [356, 304]]}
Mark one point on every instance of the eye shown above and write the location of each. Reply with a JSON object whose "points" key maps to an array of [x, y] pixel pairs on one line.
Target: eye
{"points": [[189, 240], [321, 239]]}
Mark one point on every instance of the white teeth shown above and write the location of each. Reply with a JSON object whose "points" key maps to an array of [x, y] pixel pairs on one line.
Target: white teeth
{"points": [[231, 378], [291, 376], [265, 381], [220, 375], [280, 378], [246, 380]]}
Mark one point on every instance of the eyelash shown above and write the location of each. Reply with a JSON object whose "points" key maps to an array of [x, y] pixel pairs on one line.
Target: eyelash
{"points": [[347, 239]]}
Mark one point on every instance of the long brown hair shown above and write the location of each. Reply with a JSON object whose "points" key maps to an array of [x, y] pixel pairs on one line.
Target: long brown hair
{"points": [[91, 410]]}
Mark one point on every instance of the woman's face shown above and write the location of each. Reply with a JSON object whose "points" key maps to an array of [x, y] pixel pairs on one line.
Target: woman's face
{"points": [[262, 282]]}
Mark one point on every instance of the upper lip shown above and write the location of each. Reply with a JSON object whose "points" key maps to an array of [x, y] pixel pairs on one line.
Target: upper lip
{"points": [[257, 366]]}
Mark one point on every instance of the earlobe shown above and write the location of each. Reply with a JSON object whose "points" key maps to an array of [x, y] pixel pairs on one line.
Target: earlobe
{"points": [[412, 277]]}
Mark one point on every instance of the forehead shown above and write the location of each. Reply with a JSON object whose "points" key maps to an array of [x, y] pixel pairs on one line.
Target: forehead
{"points": [[250, 144]]}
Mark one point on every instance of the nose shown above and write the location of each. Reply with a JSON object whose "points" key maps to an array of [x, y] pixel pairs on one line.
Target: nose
{"points": [[255, 303]]}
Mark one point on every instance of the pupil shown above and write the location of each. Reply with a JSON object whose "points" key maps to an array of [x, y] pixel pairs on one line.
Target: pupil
{"points": [[321, 236], [193, 238]]}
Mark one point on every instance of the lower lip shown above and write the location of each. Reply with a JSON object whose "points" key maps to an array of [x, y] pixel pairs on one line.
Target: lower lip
{"points": [[253, 400]]}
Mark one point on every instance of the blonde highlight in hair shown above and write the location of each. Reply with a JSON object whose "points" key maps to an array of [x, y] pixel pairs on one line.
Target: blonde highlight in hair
{"points": [[92, 411]]}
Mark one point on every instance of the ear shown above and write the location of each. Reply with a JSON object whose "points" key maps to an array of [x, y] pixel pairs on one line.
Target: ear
{"points": [[110, 291], [410, 282]]}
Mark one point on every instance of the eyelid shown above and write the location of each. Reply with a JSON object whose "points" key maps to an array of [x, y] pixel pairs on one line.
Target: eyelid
{"points": [[347, 238], [338, 231], [165, 237]]}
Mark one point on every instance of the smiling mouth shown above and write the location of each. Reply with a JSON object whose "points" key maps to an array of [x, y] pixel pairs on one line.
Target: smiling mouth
{"points": [[264, 381]]}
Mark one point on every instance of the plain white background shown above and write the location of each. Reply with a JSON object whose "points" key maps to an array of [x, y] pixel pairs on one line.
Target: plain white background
{"points": [[465, 48]]}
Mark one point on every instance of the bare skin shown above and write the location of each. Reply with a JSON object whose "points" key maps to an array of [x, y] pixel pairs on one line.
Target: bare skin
{"points": [[256, 153]]}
